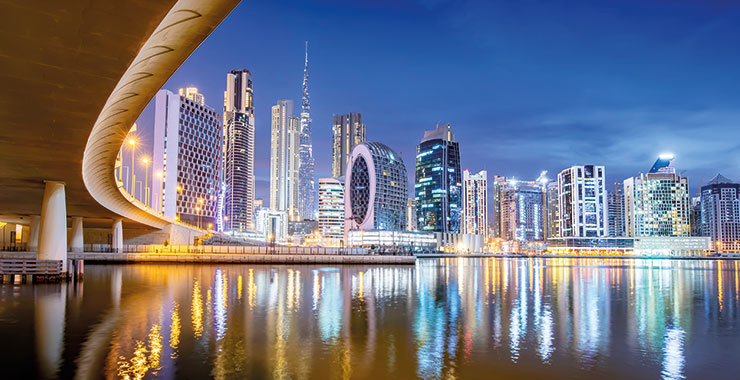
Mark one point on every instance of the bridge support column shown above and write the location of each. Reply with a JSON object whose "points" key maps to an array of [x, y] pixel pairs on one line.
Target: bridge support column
{"points": [[117, 243], [33, 239], [53, 231], [77, 244]]}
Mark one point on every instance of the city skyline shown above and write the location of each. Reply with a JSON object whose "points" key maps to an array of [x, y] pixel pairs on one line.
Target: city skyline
{"points": [[620, 129]]}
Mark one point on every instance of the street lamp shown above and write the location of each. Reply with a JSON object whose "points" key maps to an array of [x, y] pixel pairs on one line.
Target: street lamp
{"points": [[145, 160], [200, 214], [132, 142]]}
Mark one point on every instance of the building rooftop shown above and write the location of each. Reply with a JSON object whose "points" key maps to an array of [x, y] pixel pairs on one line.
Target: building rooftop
{"points": [[441, 132], [718, 179]]}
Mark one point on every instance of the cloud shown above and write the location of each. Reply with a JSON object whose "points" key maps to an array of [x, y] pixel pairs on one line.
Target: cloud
{"points": [[625, 141]]}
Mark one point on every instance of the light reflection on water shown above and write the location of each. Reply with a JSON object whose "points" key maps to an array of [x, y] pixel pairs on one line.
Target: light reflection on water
{"points": [[443, 318]]}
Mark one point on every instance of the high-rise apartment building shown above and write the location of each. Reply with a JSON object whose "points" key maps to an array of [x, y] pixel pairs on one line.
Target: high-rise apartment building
{"points": [[186, 159], [331, 210], [499, 182], [238, 152], [522, 211], [192, 94], [720, 213], [582, 201], [411, 215], [306, 182], [615, 206], [438, 187], [284, 159], [695, 216], [657, 203], [475, 203], [348, 131], [552, 228], [375, 190]]}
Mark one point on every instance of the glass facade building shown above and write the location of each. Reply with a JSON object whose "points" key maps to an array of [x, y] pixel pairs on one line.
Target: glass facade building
{"points": [[475, 203], [306, 181], [348, 131], [582, 201], [720, 213], [522, 211], [553, 211], [657, 203], [238, 152], [284, 159], [438, 186], [376, 189], [615, 205], [186, 158], [331, 210]]}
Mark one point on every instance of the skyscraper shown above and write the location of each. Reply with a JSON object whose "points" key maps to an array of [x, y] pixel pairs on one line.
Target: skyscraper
{"points": [[348, 131], [615, 205], [375, 190], [238, 152], [582, 201], [522, 211], [307, 184], [475, 203], [438, 185], [331, 210], [720, 213], [186, 159], [553, 211], [411, 215], [499, 182], [284, 159], [657, 203]]}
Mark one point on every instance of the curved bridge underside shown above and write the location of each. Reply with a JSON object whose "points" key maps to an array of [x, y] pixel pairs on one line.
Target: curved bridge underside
{"points": [[75, 76]]}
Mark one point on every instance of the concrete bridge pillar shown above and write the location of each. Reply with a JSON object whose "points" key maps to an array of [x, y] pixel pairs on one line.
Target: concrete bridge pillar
{"points": [[77, 244], [117, 243], [53, 231], [33, 239]]}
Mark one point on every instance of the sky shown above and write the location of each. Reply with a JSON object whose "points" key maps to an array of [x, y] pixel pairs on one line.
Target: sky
{"points": [[526, 85]]}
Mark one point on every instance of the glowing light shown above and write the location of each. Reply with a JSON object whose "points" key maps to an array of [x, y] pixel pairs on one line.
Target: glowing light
{"points": [[196, 311], [666, 156], [132, 142], [175, 329]]}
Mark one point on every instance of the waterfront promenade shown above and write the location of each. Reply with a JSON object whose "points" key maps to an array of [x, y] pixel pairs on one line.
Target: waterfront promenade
{"points": [[236, 258]]}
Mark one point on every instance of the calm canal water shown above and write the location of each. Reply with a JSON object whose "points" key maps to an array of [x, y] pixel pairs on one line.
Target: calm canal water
{"points": [[443, 318]]}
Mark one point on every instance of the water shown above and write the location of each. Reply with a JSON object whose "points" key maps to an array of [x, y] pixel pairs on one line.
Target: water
{"points": [[443, 318]]}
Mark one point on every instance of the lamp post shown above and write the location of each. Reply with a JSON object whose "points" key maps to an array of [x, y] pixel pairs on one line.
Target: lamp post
{"points": [[200, 214], [132, 142], [179, 190], [145, 160]]}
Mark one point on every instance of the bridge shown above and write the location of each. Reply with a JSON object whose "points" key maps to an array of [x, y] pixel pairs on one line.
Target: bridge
{"points": [[75, 77]]}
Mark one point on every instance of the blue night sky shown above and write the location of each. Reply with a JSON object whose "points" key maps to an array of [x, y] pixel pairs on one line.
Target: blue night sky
{"points": [[527, 85]]}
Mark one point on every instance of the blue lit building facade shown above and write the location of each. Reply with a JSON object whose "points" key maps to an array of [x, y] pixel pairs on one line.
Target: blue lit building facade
{"points": [[522, 211], [438, 187], [720, 213]]}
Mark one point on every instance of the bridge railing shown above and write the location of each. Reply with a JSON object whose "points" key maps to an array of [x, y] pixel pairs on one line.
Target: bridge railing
{"points": [[24, 266]]}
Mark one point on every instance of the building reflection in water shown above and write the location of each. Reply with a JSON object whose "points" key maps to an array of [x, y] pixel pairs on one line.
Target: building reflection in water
{"points": [[50, 303], [442, 318]]}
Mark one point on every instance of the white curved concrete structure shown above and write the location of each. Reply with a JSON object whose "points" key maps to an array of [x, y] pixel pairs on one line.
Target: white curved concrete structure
{"points": [[184, 27], [78, 74]]}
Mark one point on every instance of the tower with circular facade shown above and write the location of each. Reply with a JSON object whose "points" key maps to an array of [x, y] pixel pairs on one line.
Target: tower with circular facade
{"points": [[376, 189]]}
